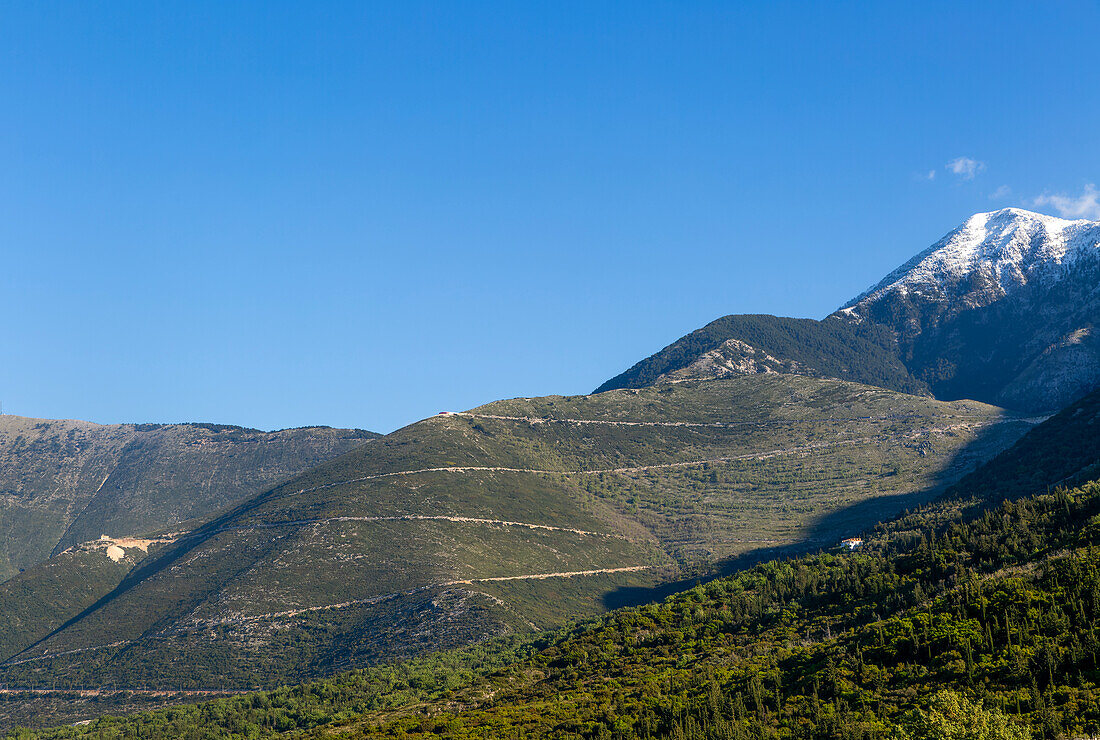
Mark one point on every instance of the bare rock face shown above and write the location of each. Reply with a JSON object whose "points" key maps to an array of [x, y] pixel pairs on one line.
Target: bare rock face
{"points": [[735, 357]]}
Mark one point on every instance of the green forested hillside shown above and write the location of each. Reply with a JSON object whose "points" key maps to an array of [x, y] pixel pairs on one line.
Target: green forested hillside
{"points": [[67, 482], [511, 518], [981, 626]]}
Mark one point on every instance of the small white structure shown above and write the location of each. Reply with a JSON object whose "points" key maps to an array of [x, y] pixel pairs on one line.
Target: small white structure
{"points": [[852, 543]]}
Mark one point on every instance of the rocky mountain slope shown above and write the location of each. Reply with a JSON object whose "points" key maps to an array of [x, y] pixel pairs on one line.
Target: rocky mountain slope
{"points": [[1003, 309], [516, 516], [46, 595], [754, 344], [66, 482]]}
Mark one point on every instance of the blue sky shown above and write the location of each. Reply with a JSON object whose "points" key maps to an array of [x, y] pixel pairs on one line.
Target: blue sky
{"points": [[279, 214]]}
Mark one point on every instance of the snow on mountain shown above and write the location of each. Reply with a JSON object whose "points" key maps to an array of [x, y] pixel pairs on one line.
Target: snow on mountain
{"points": [[1003, 309], [1006, 248]]}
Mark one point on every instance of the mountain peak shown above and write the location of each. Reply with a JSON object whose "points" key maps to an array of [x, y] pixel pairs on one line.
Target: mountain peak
{"points": [[1006, 248], [1003, 309], [1008, 214], [1012, 219]]}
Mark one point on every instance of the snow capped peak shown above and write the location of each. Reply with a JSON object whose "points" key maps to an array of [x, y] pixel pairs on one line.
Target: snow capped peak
{"points": [[1005, 248], [1016, 218]]}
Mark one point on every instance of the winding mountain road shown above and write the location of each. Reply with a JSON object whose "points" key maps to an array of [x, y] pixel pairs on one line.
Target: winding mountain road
{"points": [[797, 450], [413, 518], [242, 620], [787, 451]]}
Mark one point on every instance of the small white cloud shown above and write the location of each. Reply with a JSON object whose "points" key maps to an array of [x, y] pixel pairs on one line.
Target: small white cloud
{"points": [[1085, 205], [931, 175], [1001, 193], [965, 167]]}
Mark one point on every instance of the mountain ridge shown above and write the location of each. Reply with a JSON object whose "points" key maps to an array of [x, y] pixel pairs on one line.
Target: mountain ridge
{"points": [[841, 643], [1003, 309], [1014, 242], [748, 344], [63, 482]]}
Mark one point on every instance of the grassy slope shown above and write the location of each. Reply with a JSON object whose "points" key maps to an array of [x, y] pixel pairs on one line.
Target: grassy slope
{"points": [[66, 482], [212, 610], [1001, 606]]}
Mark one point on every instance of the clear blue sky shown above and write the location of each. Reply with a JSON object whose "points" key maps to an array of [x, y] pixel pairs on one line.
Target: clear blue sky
{"points": [[278, 214]]}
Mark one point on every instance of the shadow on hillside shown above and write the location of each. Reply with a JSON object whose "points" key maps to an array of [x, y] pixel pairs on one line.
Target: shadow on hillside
{"points": [[161, 561], [830, 528]]}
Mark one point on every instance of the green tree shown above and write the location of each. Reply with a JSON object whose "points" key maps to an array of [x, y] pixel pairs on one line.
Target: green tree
{"points": [[950, 716]]}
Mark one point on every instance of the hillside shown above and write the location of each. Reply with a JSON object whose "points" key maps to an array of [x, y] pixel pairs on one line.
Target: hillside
{"points": [[514, 517], [1063, 451], [66, 482], [750, 344], [48, 594], [984, 626], [1003, 309]]}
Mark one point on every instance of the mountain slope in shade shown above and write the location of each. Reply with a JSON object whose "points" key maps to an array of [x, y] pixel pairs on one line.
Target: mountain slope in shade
{"points": [[1003, 309], [47, 595], [66, 482]]}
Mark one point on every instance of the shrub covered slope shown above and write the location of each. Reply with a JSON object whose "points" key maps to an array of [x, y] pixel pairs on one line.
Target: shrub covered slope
{"points": [[514, 517]]}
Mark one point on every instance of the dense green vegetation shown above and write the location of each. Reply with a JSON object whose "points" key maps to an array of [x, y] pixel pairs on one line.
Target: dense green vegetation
{"points": [[947, 625], [465, 527], [832, 348], [1003, 608], [66, 482]]}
